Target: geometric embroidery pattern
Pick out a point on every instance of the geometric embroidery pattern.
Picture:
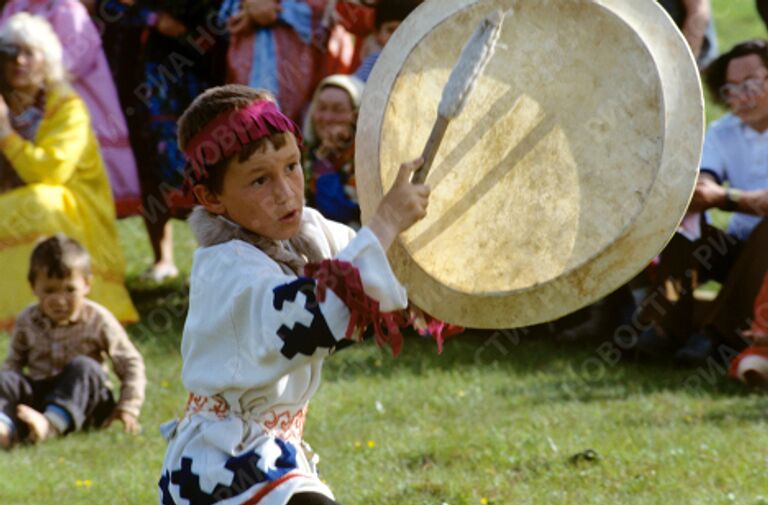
(302, 338)
(246, 475)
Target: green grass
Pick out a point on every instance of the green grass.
(495, 419)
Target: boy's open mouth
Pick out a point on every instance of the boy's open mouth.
(290, 216)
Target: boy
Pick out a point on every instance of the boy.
(388, 16)
(260, 324)
(62, 341)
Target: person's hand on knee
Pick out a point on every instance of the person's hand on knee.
(130, 422)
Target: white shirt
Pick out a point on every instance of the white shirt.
(253, 367)
(736, 153)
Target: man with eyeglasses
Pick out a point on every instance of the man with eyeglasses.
(734, 178)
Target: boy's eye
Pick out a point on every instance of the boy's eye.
(71, 289)
(292, 167)
(259, 181)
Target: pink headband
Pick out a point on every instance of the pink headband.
(231, 131)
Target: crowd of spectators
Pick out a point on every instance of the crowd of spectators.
(92, 91)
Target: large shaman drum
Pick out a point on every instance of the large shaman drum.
(567, 171)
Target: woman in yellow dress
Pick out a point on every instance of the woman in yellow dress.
(52, 177)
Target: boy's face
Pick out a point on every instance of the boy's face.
(264, 194)
(385, 31)
(61, 299)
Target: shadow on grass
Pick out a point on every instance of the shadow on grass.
(582, 372)
(753, 411)
(538, 368)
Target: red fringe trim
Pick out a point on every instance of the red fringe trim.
(439, 330)
(343, 279)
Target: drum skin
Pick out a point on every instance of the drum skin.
(568, 170)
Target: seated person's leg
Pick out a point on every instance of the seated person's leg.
(732, 310)
(79, 397)
(683, 266)
(669, 304)
(14, 389)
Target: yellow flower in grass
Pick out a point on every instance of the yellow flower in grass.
(86, 483)
(371, 444)
(484, 501)
(358, 444)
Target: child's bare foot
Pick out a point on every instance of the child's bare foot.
(40, 427)
(5, 436)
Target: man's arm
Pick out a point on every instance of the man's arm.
(710, 194)
(753, 202)
(697, 15)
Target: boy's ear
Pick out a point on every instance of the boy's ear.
(208, 199)
(88, 283)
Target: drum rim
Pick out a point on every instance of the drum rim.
(675, 174)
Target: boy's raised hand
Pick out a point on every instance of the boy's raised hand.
(403, 205)
(130, 422)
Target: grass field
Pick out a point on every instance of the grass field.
(497, 419)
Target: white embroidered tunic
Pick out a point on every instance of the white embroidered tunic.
(253, 348)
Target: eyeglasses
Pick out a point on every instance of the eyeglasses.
(8, 50)
(751, 88)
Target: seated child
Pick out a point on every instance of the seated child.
(751, 365)
(387, 17)
(61, 341)
(267, 304)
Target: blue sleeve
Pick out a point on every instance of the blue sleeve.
(712, 157)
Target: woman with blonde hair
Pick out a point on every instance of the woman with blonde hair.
(86, 65)
(52, 176)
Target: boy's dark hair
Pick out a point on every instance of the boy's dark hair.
(59, 256)
(715, 73)
(207, 107)
(393, 10)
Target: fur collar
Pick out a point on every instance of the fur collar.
(210, 229)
